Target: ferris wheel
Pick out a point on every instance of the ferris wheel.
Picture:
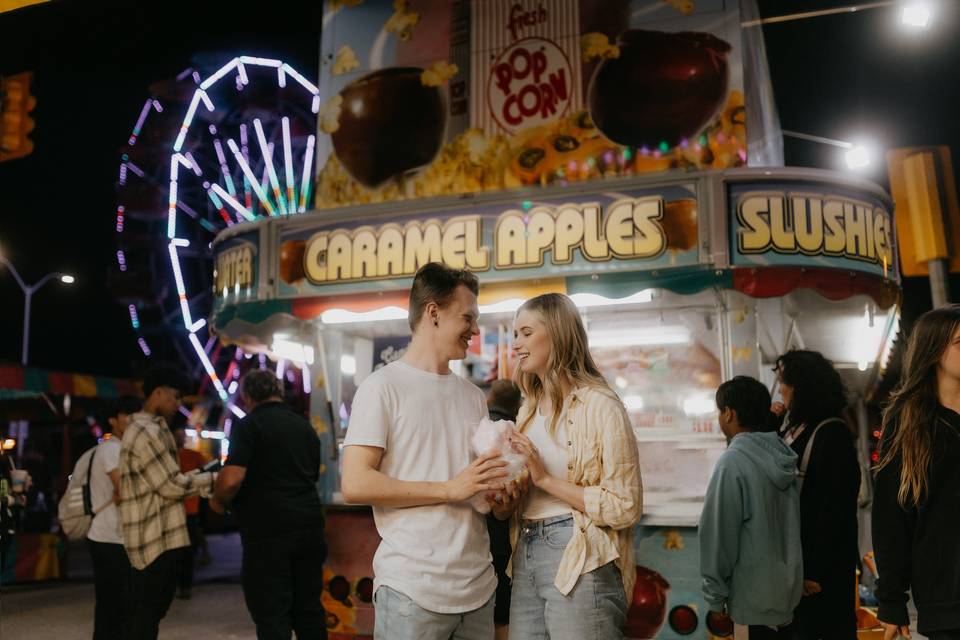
(205, 154)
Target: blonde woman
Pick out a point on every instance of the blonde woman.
(573, 560)
(915, 515)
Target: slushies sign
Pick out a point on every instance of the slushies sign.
(627, 229)
(781, 224)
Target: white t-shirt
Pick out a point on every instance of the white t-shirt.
(106, 524)
(553, 454)
(438, 556)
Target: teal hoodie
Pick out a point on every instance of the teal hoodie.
(750, 557)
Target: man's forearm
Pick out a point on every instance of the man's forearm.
(369, 486)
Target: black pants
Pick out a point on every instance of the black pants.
(282, 581)
(185, 580)
(151, 592)
(828, 615)
(111, 581)
(944, 635)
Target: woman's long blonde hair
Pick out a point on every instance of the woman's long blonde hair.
(910, 419)
(569, 362)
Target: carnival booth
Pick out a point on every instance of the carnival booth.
(619, 152)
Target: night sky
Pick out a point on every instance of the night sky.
(841, 76)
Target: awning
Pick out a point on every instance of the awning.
(17, 381)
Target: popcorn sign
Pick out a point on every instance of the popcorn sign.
(530, 84)
(526, 64)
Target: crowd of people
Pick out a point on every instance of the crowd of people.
(778, 533)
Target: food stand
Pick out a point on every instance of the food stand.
(688, 266)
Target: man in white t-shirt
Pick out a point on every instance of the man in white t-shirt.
(111, 568)
(407, 453)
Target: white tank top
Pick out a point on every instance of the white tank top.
(553, 453)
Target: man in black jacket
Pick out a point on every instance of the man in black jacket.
(271, 478)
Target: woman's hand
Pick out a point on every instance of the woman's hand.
(811, 588)
(778, 409)
(523, 445)
(891, 631)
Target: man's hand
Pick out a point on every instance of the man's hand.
(486, 473)
(811, 588)
(891, 631)
(503, 503)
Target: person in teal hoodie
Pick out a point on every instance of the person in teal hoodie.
(750, 555)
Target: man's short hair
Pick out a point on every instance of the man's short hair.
(127, 405)
(749, 398)
(260, 385)
(505, 395)
(165, 375)
(437, 283)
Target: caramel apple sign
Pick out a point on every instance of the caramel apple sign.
(629, 229)
(814, 225)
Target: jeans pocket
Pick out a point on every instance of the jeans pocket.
(558, 536)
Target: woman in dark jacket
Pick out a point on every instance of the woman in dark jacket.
(814, 396)
(916, 506)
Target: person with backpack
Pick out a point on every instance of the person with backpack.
(152, 489)
(814, 397)
(750, 555)
(111, 568)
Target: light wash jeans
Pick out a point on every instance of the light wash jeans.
(400, 618)
(596, 609)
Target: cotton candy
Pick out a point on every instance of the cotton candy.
(490, 437)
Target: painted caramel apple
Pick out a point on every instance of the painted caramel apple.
(648, 608)
(390, 124)
(679, 224)
(663, 87)
(291, 260)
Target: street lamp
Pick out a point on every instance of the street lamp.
(916, 14)
(856, 156)
(28, 291)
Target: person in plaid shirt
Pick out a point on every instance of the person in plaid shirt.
(152, 490)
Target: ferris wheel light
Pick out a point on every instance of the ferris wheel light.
(239, 208)
(261, 62)
(223, 167)
(67, 279)
(252, 179)
(307, 165)
(288, 165)
(242, 74)
(222, 71)
(309, 86)
(281, 77)
(268, 162)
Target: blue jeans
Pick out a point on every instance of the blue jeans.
(400, 618)
(596, 609)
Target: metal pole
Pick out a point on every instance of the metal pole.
(939, 282)
(28, 296)
(816, 14)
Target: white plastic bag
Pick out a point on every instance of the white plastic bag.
(491, 436)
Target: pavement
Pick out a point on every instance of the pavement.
(64, 610)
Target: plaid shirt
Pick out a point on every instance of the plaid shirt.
(152, 489)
